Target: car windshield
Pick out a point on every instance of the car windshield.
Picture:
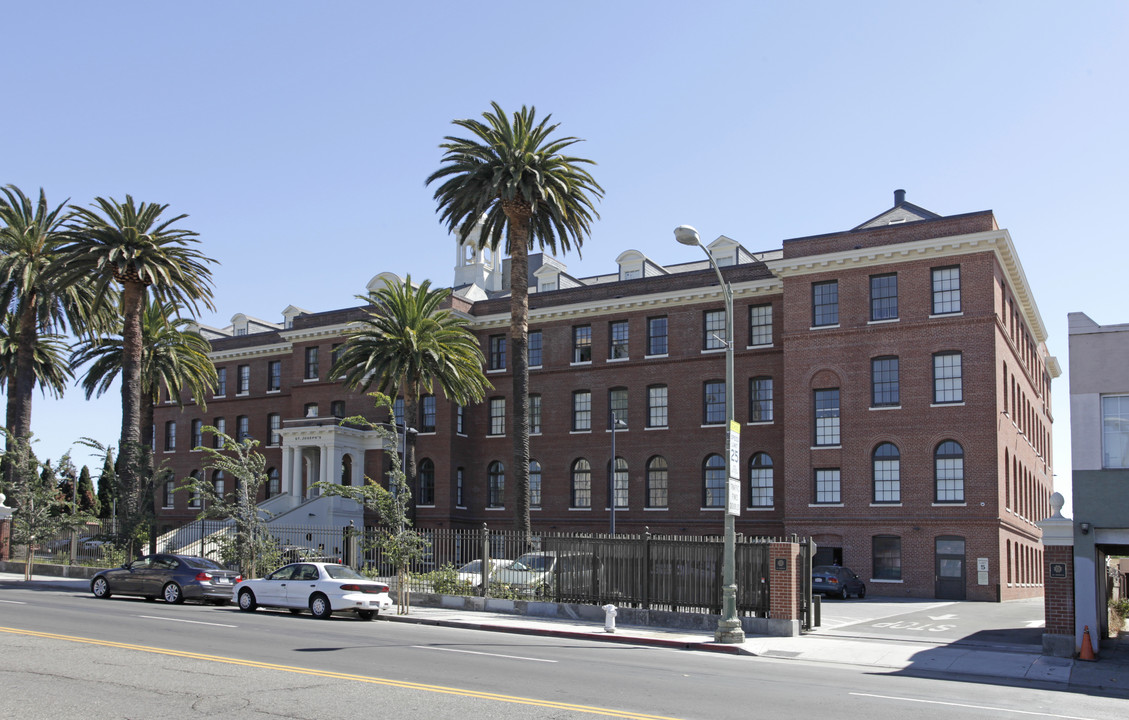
(535, 562)
(343, 572)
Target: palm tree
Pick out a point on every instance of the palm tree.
(407, 343)
(49, 361)
(133, 247)
(174, 356)
(37, 296)
(512, 176)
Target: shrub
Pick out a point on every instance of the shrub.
(1118, 612)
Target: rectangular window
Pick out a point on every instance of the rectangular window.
(221, 429)
(337, 408)
(534, 414)
(274, 424)
(582, 410)
(884, 297)
(948, 383)
(656, 406)
(170, 493)
(946, 290)
(197, 433)
(460, 420)
(427, 414)
(274, 376)
(310, 410)
(827, 417)
(497, 352)
(657, 482)
(1115, 431)
(713, 329)
(886, 557)
(242, 428)
(582, 344)
(311, 363)
(534, 484)
(760, 325)
(243, 380)
(221, 382)
(335, 351)
(713, 397)
(398, 411)
(760, 399)
(617, 340)
(497, 416)
(617, 406)
(884, 382)
(170, 436)
(656, 336)
(825, 303)
(460, 497)
(827, 485)
(534, 348)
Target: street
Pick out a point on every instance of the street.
(68, 655)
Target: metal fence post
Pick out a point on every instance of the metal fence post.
(646, 538)
(485, 560)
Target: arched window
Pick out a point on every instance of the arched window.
(274, 482)
(620, 482)
(346, 469)
(657, 482)
(760, 480)
(887, 473)
(534, 483)
(581, 486)
(713, 482)
(426, 474)
(218, 483)
(948, 464)
(170, 492)
(194, 500)
(495, 484)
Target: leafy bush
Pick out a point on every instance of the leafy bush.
(445, 581)
(1119, 612)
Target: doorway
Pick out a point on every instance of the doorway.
(949, 568)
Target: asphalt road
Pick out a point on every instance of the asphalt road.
(64, 654)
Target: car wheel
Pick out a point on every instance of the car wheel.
(844, 595)
(862, 592)
(366, 614)
(100, 587)
(247, 601)
(320, 607)
(172, 594)
(295, 611)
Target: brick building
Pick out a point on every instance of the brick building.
(892, 384)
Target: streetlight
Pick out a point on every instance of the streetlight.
(729, 626)
(616, 423)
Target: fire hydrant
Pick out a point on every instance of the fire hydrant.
(609, 618)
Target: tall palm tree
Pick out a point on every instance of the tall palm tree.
(174, 356)
(132, 247)
(36, 294)
(406, 342)
(514, 177)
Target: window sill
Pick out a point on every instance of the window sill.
(219, 397)
(426, 507)
(760, 422)
(425, 432)
(169, 451)
(888, 582)
(825, 505)
(587, 509)
(761, 509)
(309, 380)
(580, 432)
(824, 327)
(495, 371)
(712, 425)
(948, 404)
(460, 507)
(618, 430)
(274, 392)
(245, 393)
(618, 359)
(897, 504)
(764, 346)
(495, 509)
(712, 351)
(826, 447)
(655, 509)
(658, 427)
(885, 407)
(535, 367)
(579, 363)
(946, 315)
(882, 322)
(461, 434)
(654, 357)
(712, 509)
(950, 504)
(500, 435)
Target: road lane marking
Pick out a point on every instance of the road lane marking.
(13, 602)
(971, 707)
(402, 684)
(476, 652)
(181, 620)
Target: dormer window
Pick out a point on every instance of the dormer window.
(547, 286)
(240, 331)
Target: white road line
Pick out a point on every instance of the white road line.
(972, 707)
(13, 602)
(191, 622)
(475, 652)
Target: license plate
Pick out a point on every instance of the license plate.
(223, 581)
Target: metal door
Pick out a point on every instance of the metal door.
(949, 568)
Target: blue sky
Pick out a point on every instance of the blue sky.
(297, 136)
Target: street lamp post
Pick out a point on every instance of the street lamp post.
(729, 626)
(616, 423)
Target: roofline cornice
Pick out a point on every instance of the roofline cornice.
(253, 351)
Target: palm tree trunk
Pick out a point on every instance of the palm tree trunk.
(518, 231)
(133, 302)
(411, 421)
(21, 387)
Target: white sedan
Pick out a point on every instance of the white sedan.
(322, 588)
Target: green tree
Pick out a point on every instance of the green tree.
(87, 499)
(40, 513)
(406, 342)
(250, 546)
(513, 177)
(107, 485)
(135, 482)
(39, 298)
(132, 249)
(174, 357)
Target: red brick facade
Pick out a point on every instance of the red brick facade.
(1001, 423)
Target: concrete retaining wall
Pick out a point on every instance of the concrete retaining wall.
(67, 571)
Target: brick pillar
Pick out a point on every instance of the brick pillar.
(1058, 582)
(5, 539)
(784, 581)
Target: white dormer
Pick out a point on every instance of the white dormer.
(548, 277)
(382, 280)
(631, 264)
(239, 323)
(291, 312)
(724, 251)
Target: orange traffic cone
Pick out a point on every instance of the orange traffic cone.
(1087, 651)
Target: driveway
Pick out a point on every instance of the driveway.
(1018, 623)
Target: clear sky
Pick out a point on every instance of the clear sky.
(297, 135)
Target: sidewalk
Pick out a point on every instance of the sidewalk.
(1110, 672)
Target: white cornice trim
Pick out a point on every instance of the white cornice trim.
(253, 351)
(317, 331)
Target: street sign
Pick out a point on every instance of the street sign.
(735, 450)
(733, 506)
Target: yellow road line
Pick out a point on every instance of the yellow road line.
(345, 676)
